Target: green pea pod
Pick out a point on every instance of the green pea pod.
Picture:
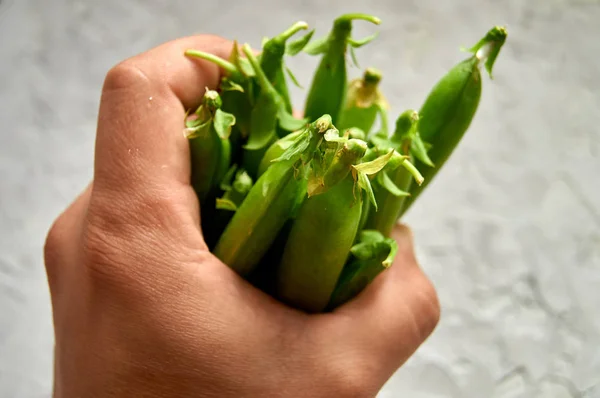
(451, 105)
(270, 202)
(321, 237)
(268, 113)
(329, 84)
(272, 55)
(392, 184)
(372, 254)
(236, 89)
(364, 100)
(208, 136)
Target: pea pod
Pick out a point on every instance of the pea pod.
(372, 254)
(236, 90)
(364, 100)
(392, 185)
(321, 237)
(451, 105)
(268, 113)
(272, 55)
(329, 84)
(208, 135)
(270, 202)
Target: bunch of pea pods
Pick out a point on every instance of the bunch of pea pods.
(303, 207)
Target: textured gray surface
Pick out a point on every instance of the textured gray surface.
(509, 233)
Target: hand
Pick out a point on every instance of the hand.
(142, 309)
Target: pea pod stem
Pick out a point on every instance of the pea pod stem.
(223, 64)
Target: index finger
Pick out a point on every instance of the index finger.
(140, 144)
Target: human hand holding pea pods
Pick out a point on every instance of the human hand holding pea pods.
(141, 307)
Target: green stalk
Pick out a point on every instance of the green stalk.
(329, 85)
(452, 104)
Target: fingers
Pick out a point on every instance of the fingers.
(392, 317)
(140, 144)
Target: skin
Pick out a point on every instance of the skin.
(142, 309)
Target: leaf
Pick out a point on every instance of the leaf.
(355, 132)
(393, 245)
(198, 131)
(288, 122)
(294, 47)
(365, 183)
(318, 46)
(227, 178)
(489, 46)
(263, 41)
(361, 42)
(354, 57)
(374, 166)
(417, 148)
(370, 235)
(333, 135)
(414, 171)
(242, 182)
(293, 78)
(365, 250)
(245, 66)
(228, 85)
(223, 123)
(242, 64)
(258, 142)
(225, 204)
(384, 129)
(297, 148)
(386, 183)
(380, 142)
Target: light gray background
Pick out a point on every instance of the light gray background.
(508, 233)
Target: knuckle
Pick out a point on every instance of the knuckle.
(125, 75)
(429, 309)
(53, 242)
(351, 382)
